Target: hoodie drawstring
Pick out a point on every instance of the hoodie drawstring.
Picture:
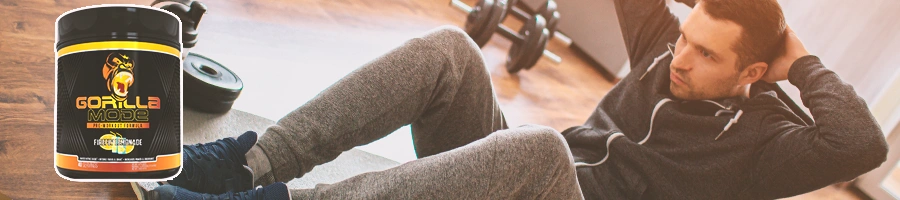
(608, 141)
(659, 105)
(653, 65)
(724, 109)
(733, 121)
(619, 134)
(652, 117)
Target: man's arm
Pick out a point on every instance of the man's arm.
(647, 25)
(844, 142)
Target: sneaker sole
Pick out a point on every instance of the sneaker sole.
(144, 190)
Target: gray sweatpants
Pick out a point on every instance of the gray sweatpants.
(439, 84)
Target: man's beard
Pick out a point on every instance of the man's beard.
(689, 90)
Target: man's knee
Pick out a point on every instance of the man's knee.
(453, 45)
(455, 40)
(542, 143)
(455, 35)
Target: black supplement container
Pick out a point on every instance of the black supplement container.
(118, 94)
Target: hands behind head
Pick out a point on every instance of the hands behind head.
(779, 68)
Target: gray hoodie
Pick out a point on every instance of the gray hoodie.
(642, 143)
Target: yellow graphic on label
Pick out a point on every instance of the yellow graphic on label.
(116, 143)
(120, 65)
(118, 111)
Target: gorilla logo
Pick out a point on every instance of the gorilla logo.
(118, 74)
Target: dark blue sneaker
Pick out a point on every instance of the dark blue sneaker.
(217, 167)
(276, 191)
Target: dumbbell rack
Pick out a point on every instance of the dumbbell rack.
(509, 33)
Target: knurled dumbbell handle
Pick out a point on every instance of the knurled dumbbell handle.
(510, 34)
(506, 31)
(519, 13)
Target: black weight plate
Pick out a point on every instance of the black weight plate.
(516, 50)
(549, 12)
(208, 85)
(497, 12)
(518, 56)
(478, 18)
(538, 52)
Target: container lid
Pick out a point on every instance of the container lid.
(118, 22)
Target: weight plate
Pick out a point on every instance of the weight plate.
(519, 53)
(549, 12)
(208, 85)
(478, 18)
(536, 53)
(498, 11)
(516, 50)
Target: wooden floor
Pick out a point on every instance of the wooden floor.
(297, 39)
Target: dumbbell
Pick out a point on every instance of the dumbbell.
(528, 43)
(189, 13)
(547, 10)
(208, 85)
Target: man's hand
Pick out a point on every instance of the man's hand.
(794, 49)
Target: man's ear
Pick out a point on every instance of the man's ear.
(753, 73)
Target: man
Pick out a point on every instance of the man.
(440, 85)
(698, 119)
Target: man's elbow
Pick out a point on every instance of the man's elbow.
(879, 150)
(860, 157)
(871, 153)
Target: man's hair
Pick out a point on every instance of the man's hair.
(763, 26)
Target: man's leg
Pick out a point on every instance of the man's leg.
(528, 162)
(438, 83)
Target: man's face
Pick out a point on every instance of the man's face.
(704, 66)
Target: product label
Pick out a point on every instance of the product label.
(118, 107)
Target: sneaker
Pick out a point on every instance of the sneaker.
(217, 167)
(275, 191)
